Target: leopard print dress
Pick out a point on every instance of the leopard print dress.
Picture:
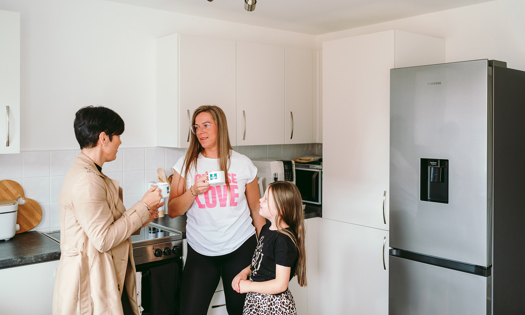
(269, 304)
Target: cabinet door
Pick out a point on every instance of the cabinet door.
(9, 82)
(207, 77)
(28, 289)
(193, 71)
(260, 94)
(354, 269)
(356, 123)
(299, 86)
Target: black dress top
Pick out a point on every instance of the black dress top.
(273, 248)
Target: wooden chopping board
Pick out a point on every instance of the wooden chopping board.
(29, 214)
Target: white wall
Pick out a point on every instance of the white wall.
(81, 52)
(491, 30)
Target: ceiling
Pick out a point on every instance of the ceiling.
(306, 16)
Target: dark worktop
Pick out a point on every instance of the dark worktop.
(28, 248)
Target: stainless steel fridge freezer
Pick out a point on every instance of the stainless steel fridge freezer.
(456, 181)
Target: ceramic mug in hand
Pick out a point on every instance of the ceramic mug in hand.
(216, 178)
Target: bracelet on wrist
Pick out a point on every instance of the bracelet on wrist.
(191, 191)
(146, 205)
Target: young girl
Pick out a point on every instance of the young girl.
(279, 254)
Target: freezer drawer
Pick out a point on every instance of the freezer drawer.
(418, 288)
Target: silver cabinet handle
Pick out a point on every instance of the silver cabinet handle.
(189, 128)
(7, 111)
(291, 115)
(384, 245)
(220, 305)
(244, 134)
(384, 201)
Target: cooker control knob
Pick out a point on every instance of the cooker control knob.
(175, 251)
(157, 252)
(167, 251)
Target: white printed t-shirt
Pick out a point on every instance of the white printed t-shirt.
(217, 224)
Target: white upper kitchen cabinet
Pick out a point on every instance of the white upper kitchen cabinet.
(193, 71)
(260, 94)
(9, 82)
(353, 269)
(299, 93)
(356, 120)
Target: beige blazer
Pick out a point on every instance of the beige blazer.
(96, 260)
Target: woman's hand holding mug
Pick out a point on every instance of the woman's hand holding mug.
(201, 185)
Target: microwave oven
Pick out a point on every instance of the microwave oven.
(269, 171)
(309, 180)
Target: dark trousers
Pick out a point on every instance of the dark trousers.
(201, 276)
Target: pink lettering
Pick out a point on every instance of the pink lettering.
(233, 178)
(207, 195)
(223, 195)
(201, 206)
(234, 195)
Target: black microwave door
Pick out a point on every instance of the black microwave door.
(308, 183)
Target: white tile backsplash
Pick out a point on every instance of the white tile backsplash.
(35, 164)
(61, 161)
(55, 185)
(37, 189)
(134, 159)
(155, 158)
(259, 152)
(172, 156)
(54, 218)
(46, 214)
(152, 176)
(10, 166)
(113, 166)
(275, 152)
(134, 183)
(130, 200)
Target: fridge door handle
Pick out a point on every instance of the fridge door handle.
(384, 201)
(384, 246)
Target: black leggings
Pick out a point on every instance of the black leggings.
(201, 276)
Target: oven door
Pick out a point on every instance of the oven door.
(309, 183)
(160, 287)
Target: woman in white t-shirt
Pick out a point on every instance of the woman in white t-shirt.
(221, 220)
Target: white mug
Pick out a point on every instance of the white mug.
(216, 178)
(164, 189)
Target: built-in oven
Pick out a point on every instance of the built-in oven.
(158, 260)
(309, 180)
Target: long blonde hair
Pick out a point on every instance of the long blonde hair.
(289, 205)
(223, 142)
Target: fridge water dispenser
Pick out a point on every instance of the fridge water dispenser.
(434, 180)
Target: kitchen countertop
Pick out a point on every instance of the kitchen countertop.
(28, 248)
(34, 247)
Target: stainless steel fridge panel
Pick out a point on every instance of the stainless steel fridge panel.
(416, 288)
(441, 111)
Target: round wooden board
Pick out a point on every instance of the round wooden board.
(29, 214)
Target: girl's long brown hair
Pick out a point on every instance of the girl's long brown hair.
(289, 204)
(223, 142)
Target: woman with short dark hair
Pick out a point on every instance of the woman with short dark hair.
(96, 273)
